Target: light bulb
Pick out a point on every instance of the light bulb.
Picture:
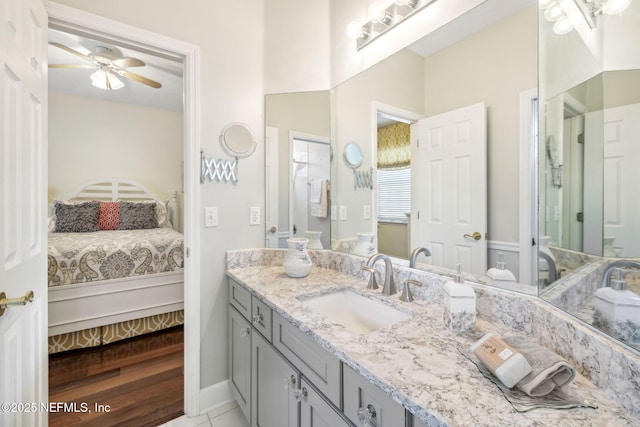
(410, 3)
(562, 25)
(615, 7)
(553, 12)
(542, 4)
(354, 30)
(377, 12)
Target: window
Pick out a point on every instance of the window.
(394, 194)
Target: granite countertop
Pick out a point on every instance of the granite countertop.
(417, 361)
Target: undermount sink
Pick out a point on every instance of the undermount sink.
(355, 312)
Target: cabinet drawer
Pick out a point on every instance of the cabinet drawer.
(315, 363)
(261, 317)
(360, 393)
(240, 298)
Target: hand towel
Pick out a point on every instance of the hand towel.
(549, 370)
(319, 198)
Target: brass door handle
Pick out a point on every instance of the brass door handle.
(9, 302)
(273, 230)
(474, 236)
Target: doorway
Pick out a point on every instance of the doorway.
(77, 22)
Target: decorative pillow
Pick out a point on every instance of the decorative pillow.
(76, 218)
(137, 216)
(109, 218)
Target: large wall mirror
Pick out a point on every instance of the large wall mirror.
(588, 155)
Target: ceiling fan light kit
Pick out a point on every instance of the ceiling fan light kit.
(109, 63)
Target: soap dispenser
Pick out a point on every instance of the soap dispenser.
(617, 309)
(500, 272)
(459, 303)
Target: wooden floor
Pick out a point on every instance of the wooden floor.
(136, 382)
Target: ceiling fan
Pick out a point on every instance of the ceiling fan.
(109, 62)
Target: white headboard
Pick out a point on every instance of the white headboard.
(106, 189)
(111, 189)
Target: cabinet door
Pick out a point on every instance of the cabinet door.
(240, 360)
(317, 412)
(274, 383)
(366, 404)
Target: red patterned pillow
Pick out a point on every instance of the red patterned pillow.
(109, 218)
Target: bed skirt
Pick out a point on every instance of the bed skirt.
(101, 335)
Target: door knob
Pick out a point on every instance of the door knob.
(9, 302)
(474, 236)
(273, 230)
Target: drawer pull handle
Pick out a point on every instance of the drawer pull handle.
(245, 332)
(259, 318)
(289, 381)
(365, 415)
(300, 394)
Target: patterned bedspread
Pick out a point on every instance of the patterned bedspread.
(102, 255)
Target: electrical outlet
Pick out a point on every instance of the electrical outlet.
(210, 217)
(366, 212)
(254, 215)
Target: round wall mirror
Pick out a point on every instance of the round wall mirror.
(353, 155)
(237, 140)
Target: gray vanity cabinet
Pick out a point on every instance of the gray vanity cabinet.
(274, 384)
(240, 360)
(317, 412)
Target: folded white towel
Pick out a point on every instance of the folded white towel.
(319, 199)
(549, 370)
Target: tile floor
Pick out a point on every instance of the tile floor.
(229, 416)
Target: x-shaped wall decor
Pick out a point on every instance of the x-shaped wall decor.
(220, 170)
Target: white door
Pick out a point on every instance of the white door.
(23, 239)
(271, 173)
(452, 216)
(621, 178)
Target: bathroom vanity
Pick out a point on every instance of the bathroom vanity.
(293, 362)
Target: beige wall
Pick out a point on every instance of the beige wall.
(90, 138)
(494, 66)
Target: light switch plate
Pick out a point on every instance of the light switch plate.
(366, 212)
(334, 213)
(343, 213)
(210, 217)
(254, 215)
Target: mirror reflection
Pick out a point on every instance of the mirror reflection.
(298, 157)
(588, 177)
(491, 67)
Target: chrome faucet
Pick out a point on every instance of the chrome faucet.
(606, 277)
(389, 287)
(414, 255)
(552, 276)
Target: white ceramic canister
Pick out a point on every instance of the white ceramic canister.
(365, 244)
(297, 262)
(314, 239)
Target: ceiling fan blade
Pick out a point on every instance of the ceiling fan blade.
(71, 51)
(140, 79)
(128, 62)
(71, 66)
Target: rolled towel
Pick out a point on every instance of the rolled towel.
(549, 370)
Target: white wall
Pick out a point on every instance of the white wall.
(90, 138)
(296, 46)
(231, 40)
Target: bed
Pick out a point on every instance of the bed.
(110, 284)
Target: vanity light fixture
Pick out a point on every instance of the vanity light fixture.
(608, 7)
(104, 79)
(382, 19)
(553, 12)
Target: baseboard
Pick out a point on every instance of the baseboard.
(216, 398)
